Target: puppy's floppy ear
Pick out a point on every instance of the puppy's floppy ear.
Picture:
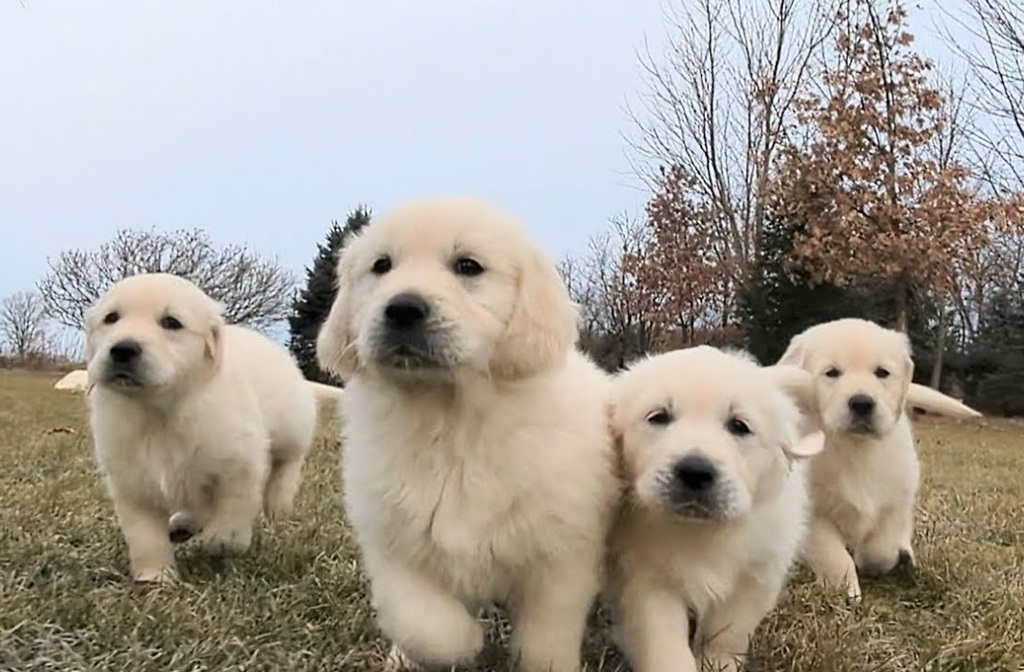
(90, 320)
(335, 341)
(805, 446)
(796, 353)
(544, 323)
(796, 382)
(616, 431)
(214, 333)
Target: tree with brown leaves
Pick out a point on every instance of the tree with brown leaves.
(680, 268)
(715, 107)
(876, 202)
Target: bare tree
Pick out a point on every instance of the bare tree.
(997, 66)
(717, 106)
(618, 320)
(254, 290)
(23, 324)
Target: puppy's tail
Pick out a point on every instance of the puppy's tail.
(326, 391)
(933, 401)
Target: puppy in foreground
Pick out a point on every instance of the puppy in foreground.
(716, 504)
(197, 425)
(477, 464)
(864, 484)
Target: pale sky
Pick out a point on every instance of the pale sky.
(261, 120)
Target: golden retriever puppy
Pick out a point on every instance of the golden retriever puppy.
(477, 464)
(197, 425)
(716, 503)
(864, 484)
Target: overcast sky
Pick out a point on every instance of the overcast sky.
(260, 121)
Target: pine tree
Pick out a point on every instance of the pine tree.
(995, 366)
(781, 299)
(314, 301)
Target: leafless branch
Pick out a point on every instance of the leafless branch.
(718, 103)
(23, 323)
(253, 290)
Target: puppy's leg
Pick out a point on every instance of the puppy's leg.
(549, 615)
(825, 552)
(427, 624)
(150, 553)
(237, 502)
(282, 487)
(728, 628)
(654, 629)
(889, 543)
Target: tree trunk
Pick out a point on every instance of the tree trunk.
(940, 351)
(902, 319)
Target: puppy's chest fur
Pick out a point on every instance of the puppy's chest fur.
(853, 482)
(172, 464)
(703, 564)
(467, 499)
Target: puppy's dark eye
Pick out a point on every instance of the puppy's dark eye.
(381, 266)
(881, 373)
(467, 266)
(111, 317)
(170, 322)
(833, 373)
(737, 427)
(659, 416)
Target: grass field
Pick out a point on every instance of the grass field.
(297, 602)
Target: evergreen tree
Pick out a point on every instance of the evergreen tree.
(995, 360)
(314, 301)
(781, 300)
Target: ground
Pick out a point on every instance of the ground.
(298, 601)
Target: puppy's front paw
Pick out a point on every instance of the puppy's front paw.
(155, 575)
(278, 509)
(399, 661)
(221, 540)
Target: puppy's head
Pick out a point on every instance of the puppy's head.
(152, 332)
(438, 287)
(705, 434)
(861, 374)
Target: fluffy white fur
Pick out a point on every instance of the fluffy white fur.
(864, 483)
(197, 425)
(477, 464)
(717, 550)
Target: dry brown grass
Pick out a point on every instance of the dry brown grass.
(298, 601)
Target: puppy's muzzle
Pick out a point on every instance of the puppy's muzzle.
(694, 488)
(406, 338)
(862, 412)
(123, 362)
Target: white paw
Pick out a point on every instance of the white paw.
(399, 661)
(226, 540)
(155, 575)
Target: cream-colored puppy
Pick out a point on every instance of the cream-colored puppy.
(477, 464)
(716, 503)
(196, 424)
(864, 484)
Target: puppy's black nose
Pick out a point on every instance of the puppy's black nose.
(695, 472)
(861, 405)
(406, 311)
(126, 351)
